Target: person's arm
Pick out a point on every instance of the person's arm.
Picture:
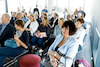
(81, 36)
(71, 53)
(20, 42)
(34, 27)
(53, 60)
(48, 31)
(55, 31)
(10, 34)
(28, 29)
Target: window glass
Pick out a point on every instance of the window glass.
(2, 7)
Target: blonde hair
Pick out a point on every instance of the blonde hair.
(62, 19)
(33, 17)
(47, 22)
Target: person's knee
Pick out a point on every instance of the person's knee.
(40, 42)
(33, 40)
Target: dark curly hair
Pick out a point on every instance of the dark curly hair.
(71, 25)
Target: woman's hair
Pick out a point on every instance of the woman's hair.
(33, 17)
(80, 20)
(47, 22)
(71, 25)
(56, 14)
(62, 19)
(20, 23)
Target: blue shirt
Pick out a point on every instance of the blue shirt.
(69, 49)
(46, 11)
(25, 19)
(57, 31)
(85, 25)
(3, 27)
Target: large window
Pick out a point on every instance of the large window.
(2, 7)
(75, 4)
(28, 4)
(13, 5)
(41, 4)
(61, 5)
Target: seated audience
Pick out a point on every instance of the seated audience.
(36, 10)
(65, 47)
(45, 10)
(23, 9)
(81, 12)
(23, 40)
(13, 18)
(42, 33)
(57, 29)
(68, 17)
(53, 12)
(80, 33)
(18, 10)
(31, 26)
(75, 13)
(19, 16)
(25, 18)
(54, 21)
(65, 14)
(6, 29)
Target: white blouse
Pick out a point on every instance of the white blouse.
(79, 35)
(34, 26)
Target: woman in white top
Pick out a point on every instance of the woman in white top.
(80, 33)
(32, 25)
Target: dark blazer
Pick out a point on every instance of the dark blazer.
(6, 34)
(51, 21)
(12, 21)
(36, 9)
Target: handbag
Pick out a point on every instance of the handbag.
(10, 43)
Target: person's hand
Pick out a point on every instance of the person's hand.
(50, 52)
(16, 37)
(51, 26)
(54, 62)
(35, 34)
(26, 28)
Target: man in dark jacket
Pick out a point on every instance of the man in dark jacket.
(6, 29)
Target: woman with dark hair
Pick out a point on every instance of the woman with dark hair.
(64, 48)
(21, 38)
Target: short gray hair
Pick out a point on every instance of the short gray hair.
(7, 16)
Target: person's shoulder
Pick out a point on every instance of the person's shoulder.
(73, 39)
(11, 27)
(25, 32)
(57, 26)
(59, 36)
